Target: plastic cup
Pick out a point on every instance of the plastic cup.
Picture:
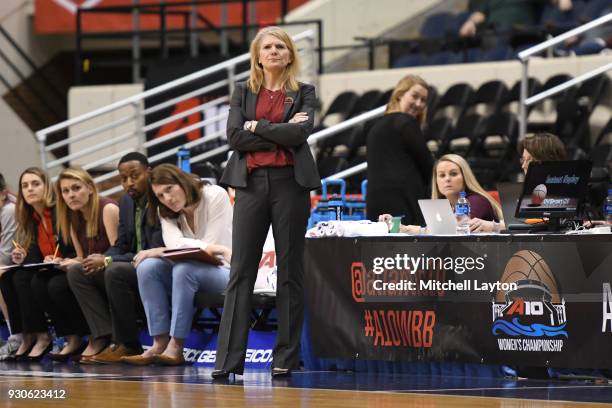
(395, 224)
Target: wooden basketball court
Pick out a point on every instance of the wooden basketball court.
(34, 385)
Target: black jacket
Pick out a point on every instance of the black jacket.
(35, 256)
(268, 136)
(125, 246)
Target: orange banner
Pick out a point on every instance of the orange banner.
(59, 16)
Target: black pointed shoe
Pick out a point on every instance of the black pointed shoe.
(220, 374)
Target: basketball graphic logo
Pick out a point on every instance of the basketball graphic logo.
(529, 266)
(538, 195)
(535, 309)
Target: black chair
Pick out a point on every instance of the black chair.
(499, 136)
(572, 124)
(384, 97)
(606, 132)
(466, 132)
(456, 97)
(366, 102)
(331, 165)
(261, 307)
(432, 102)
(438, 132)
(591, 92)
(558, 80)
(514, 94)
(341, 105)
(491, 94)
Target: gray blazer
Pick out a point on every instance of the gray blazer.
(267, 136)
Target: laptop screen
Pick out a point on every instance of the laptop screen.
(439, 216)
(554, 189)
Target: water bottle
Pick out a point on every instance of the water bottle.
(462, 212)
(608, 207)
(337, 208)
(183, 155)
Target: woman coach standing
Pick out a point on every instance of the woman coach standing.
(272, 170)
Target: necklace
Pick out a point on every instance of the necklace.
(272, 94)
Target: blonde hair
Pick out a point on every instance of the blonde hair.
(24, 212)
(403, 86)
(67, 218)
(469, 181)
(289, 78)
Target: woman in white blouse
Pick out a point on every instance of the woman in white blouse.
(192, 214)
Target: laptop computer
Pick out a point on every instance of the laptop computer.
(509, 194)
(439, 216)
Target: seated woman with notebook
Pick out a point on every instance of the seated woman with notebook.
(37, 290)
(193, 215)
(451, 175)
(91, 223)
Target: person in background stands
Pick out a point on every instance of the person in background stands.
(399, 162)
(108, 293)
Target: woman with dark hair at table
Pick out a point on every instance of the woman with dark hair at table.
(399, 162)
(540, 147)
(272, 170)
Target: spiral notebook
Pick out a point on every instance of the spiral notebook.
(194, 254)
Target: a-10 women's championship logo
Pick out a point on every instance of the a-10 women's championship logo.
(532, 317)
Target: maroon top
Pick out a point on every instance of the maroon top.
(98, 244)
(270, 106)
(481, 208)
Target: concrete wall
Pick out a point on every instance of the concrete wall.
(18, 146)
(83, 99)
(18, 149)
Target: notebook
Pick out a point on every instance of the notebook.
(195, 254)
(439, 216)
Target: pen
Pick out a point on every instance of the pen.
(55, 254)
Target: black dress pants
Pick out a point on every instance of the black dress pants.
(50, 288)
(31, 312)
(110, 301)
(272, 196)
(11, 298)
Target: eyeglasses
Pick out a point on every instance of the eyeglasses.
(527, 161)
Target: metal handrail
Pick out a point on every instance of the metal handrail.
(536, 49)
(525, 55)
(312, 140)
(223, 66)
